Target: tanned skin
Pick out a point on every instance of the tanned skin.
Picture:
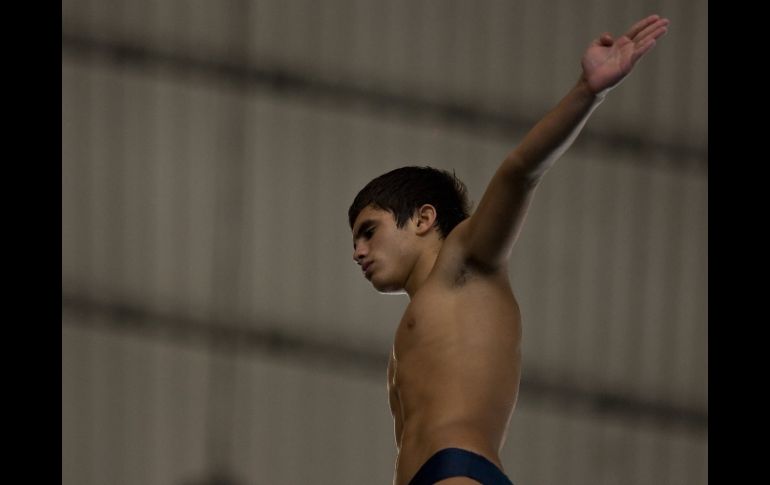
(453, 374)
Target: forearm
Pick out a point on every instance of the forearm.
(553, 134)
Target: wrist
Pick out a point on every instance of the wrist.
(583, 89)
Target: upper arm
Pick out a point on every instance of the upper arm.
(492, 229)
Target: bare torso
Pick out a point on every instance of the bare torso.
(453, 375)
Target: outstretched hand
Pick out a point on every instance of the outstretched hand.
(608, 61)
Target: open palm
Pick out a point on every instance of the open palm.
(606, 61)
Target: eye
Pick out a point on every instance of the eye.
(369, 233)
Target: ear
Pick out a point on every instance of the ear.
(424, 219)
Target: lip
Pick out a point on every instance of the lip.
(365, 268)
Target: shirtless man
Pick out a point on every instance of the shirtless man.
(453, 374)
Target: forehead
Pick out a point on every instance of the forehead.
(369, 213)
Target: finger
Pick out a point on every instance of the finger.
(653, 30)
(651, 36)
(642, 49)
(639, 26)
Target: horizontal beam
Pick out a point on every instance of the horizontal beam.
(240, 75)
(234, 337)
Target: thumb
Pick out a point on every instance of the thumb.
(606, 39)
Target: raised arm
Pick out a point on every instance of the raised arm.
(493, 228)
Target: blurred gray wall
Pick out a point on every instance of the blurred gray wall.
(214, 326)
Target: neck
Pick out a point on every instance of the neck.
(421, 270)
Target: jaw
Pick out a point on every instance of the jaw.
(385, 285)
(386, 288)
(389, 289)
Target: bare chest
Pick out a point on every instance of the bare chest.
(454, 371)
(468, 318)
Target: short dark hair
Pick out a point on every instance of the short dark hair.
(402, 191)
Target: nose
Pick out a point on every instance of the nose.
(359, 253)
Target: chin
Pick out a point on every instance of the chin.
(388, 288)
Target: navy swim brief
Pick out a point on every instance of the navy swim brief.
(456, 462)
